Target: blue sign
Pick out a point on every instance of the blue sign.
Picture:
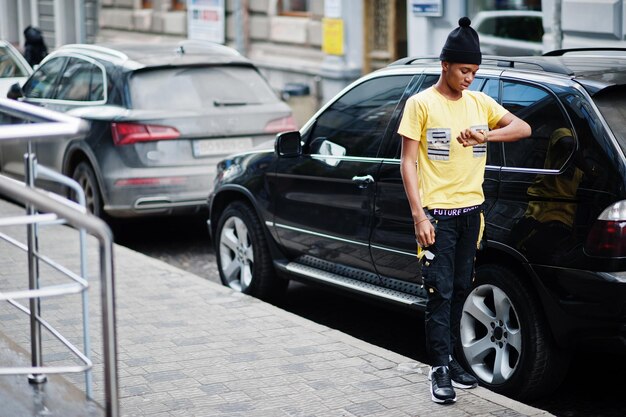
(427, 8)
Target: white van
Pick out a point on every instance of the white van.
(510, 32)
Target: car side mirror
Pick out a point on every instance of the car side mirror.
(15, 92)
(288, 144)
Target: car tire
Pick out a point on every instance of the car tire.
(243, 256)
(84, 175)
(504, 339)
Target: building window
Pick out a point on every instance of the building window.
(294, 8)
(475, 6)
(174, 4)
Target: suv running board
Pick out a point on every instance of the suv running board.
(313, 274)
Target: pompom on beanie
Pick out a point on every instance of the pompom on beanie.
(462, 45)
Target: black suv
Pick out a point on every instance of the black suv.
(327, 205)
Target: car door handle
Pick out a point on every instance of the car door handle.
(363, 181)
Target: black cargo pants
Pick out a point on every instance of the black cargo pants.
(448, 280)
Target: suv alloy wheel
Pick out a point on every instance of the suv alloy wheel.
(504, 339)
(243, 257)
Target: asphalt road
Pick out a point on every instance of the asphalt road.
(594, 387)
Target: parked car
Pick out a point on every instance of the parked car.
(161, 116)
(510, 32)
(327, 205)
(13, 67)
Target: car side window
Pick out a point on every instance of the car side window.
(551, 142)
(355, 124)
(81, 81)
(96, 88)
(43, 81)
(492, 89)
(9, 66)
(477, 84)
(428, 81)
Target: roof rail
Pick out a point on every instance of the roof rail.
(561, 52)
(514, 62)
(95, 48)
(190, 45)
(411, 60)
(506, 62)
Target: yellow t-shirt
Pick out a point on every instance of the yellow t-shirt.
(451, 176)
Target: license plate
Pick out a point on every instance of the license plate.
(208, 147)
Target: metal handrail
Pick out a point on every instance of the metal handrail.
(49, 369)
(46, 124)
(41, 171)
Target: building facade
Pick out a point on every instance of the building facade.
(287, 38)
(567, 23)
(61, 21)
(584, 23)
(311, 49)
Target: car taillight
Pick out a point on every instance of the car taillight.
(608, 234)
(129, 182)
(284, 124)
(129, 133)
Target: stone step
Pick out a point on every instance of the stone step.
(55, 397)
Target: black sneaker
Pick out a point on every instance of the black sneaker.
(461, 378)
(441, 390)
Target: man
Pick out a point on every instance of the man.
(445, 128)
(35, 48)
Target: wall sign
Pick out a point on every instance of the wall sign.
(332, 36)
(432, 8)
(206, 21)
(332, 9)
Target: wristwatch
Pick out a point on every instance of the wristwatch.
(485, 135)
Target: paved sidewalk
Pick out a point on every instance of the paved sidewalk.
(190, 347)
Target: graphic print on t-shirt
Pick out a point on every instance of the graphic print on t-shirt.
(438, 144)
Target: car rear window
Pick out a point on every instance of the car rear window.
(612, 105)
(199, 87)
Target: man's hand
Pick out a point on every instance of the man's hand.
(469, 137)
(424, 232)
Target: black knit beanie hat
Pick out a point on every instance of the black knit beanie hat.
(462, 45)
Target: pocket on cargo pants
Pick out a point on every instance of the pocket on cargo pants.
(437, 274)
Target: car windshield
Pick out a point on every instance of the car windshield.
(612, 105)
(9, 67)
(199, 88)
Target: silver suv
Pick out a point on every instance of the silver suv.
(160, 117)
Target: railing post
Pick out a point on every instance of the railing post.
(41, 171)
(107, 293)
(33, 274)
